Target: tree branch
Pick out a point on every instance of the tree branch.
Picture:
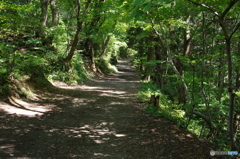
(234, 30)
(205, 118)
(161, 43)
(206, 6)
(231, 4)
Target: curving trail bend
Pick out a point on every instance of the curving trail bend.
(99, 120)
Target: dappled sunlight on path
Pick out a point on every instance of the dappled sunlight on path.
(23, 108)
(101, 119)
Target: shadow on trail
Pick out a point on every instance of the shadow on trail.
(98, 120)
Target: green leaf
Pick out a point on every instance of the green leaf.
(147, 7)
(238, 94)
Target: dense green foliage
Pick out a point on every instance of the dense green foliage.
(37, 37)
(186, 51)
(190, 51)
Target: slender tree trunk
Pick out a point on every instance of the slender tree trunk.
(230, 81)
(236, 125)
(79, 28)
(55, 13)
(48, 39)
(238, 81)
(170, 60)
(92, 55)
(187, 39)
(231, 96)
(104, 48)
(181, 88)
(150, 56)
(238, 71)
(76, 36)
(221, 75)
(158, 69)
(44, 16)
(44, 13)
(73, 45)
(230, 77)
(154, 100)
(228, 37)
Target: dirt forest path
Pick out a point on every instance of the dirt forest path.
(99, 120)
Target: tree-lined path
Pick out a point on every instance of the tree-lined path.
(186, 53)
(102, 119)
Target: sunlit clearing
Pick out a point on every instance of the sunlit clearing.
(114, 92)
(98, 141)
(116, 103)
(120, 135)
(101, 154)
(7, 148)
(13, 110)
(22, 108)
(72, 87)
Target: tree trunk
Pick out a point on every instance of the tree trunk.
(206, 119)
(73, 46)
(170, 60)
(187, 95)
(231, 96)
(230, 76)
(181, 88)
(238, 71)
(228, 37)
(44, 13)
(238, 81)
(76, 36)
(79, 28)
(44, 16)
(155, 100)
(158, 78)
(236, 125)
(221, 75)
(181, 94)
(92, 55)
(186, 49)
(54, 13)
(187, 39)
(104, 47)
(150, 53)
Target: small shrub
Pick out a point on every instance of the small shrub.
(148, 89)
(79, 71)
(69, 73)
(105, 66)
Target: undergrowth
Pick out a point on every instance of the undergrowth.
(175, 112)
(69, 73)
(167, 108)
(105, 66)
